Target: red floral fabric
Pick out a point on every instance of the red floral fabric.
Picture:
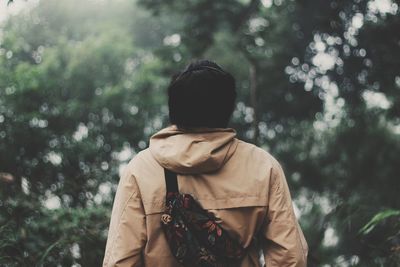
(195, 239)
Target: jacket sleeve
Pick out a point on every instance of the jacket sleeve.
(284, 244)
(127, 230)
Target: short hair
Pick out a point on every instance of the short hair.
(202, 95)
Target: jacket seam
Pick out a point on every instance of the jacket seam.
(281, 190)
(298, 236)
(119, 221)
(233, 143)
(230, 198)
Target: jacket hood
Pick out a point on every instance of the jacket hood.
(193, 150)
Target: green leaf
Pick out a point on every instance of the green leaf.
(379, 217)
(41, 261)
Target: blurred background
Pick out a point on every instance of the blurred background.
(83, 87)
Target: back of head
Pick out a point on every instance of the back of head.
(202, 95)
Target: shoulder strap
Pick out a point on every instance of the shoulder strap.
(171, 181)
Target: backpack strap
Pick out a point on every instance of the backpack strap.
(171, 181)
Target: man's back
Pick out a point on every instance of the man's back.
(243, 185)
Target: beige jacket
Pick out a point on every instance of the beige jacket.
(241, 184)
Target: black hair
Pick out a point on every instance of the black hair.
(202, 95)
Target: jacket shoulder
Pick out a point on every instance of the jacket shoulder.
(248, 149)
(149, 176)
(143, 164)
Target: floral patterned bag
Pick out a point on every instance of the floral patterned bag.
(194, 237)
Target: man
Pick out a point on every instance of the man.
(241, 184)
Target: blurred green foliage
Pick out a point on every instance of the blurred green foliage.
(82, 87)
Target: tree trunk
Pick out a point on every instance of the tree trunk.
(253, 100)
